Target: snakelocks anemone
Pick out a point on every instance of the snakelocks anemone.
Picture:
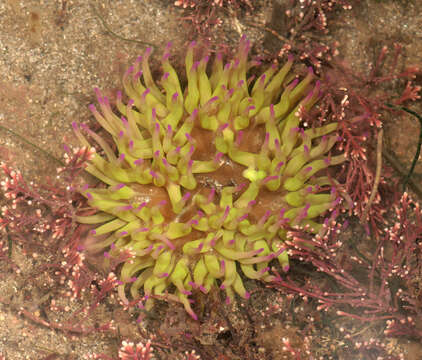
(202, 180)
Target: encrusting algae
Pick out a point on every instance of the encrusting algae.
(207, 176)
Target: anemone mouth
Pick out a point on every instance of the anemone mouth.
(206, 176)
